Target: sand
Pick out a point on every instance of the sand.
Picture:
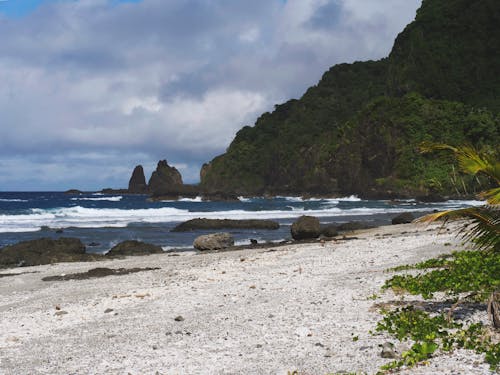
(255, 311)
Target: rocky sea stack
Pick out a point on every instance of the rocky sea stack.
(137, 183)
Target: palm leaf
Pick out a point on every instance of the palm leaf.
(482, 228)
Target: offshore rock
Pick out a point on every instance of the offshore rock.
(196, 224)
(44, 251)
(306, 228)
(165, 180)
(133, 247)
(216, 241)
(137, 183)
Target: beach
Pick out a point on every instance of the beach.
(300, 307)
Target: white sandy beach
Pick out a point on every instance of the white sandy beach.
(257, 311)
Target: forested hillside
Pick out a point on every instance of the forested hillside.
(358, 130)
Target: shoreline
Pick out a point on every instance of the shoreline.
(253, 311)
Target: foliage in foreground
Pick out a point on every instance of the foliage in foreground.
(467, 271)
(476, 272)
(431, 334)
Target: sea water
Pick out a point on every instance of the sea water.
(102, 221)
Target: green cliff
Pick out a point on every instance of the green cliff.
(358, 129)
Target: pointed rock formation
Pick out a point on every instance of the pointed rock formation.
(137, 183)
(165, 180)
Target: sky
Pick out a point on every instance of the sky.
(91, 88)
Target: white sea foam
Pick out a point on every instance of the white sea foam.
(110, 199)
(195, 200)
(352, 198)
(82, 217)
(13, 200)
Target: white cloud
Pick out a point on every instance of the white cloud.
(164, 79)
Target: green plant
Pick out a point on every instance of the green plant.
(431, 334)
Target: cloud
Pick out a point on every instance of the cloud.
(135, 82)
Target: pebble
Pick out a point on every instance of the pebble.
(179, 318)
(388, 351)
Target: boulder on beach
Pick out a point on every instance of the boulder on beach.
(137, 183)
(196, 224)
(133, 247)
(353, 225)
(404, 218)
(329, 230)
(44, 251)
(306, 228)
(216, 241)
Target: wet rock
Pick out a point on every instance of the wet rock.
(45, 251)
(97, 272)
(404, 218)
(137, 183)
(216, 241)
(353, 225)
(330, 230)
(133, 247)
(210, 224)
(306, 227)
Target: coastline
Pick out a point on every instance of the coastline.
(253, 311)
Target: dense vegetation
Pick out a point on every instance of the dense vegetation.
(357, 130)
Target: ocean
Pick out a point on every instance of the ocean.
(102, 221)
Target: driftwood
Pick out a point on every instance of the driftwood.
(494, 309)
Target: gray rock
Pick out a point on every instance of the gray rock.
(388, 351)
(210, 224)
(133, 247)
(44, 251)
(329, 230)
(404, 218)
(306, 227)
(216, 241)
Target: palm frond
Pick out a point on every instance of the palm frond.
(483, 227)
(492, 196)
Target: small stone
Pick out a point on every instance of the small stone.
(319, 344)
(179, 318)
(155, 347)
(388, 351)
(168, 333)
(60, 312)
(58, 307)
(258, 346)
(108, 311)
